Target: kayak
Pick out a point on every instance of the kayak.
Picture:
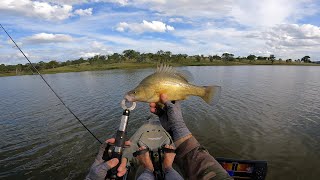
(244, 169)
(152, 135)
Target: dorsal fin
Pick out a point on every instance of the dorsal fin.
(163, 68)
(184, 74)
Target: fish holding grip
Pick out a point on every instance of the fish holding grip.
(115, 150)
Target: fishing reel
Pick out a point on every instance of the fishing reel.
(115, 150)
(107, 155)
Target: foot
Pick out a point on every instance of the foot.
(168, 158)
(145, 160)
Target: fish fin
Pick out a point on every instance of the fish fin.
(164, 68)
(186, 75)
(212, 94)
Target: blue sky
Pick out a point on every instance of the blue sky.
(70, 29)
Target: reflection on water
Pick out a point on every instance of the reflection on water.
(265, 112)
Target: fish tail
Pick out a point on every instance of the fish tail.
(211, 95)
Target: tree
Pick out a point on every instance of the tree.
(306, 59)
(262, 58)
(198, 58)
(115, 57)
(131, 54)
(227, 57)
(251, 57)
(217, 57)
(179, 58)
(19, 67)
(2, 67)
(142, 58)
(168, 53)
(52, 64)
(272, 58)
(211, 58)
(202, 57)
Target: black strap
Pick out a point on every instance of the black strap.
(168, 150)
(137, 153)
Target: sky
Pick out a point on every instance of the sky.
(69, 29)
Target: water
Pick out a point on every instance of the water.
(265, 112)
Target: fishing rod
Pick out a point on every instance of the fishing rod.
(49, 85)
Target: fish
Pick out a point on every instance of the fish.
(175, 84)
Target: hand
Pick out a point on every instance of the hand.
(100, 168)
(154, 107)
(171, 119)
(168, 114)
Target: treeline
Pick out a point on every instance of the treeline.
(137, 57)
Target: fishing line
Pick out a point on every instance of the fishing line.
(50, 86)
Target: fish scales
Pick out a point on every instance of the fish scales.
(167, 80)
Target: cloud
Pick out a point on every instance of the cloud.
(288, 36)
(186, 8)
(178, 20)
(48, 38)
(83, 12)
(69, 2)
(251, 13)
(88, 54)
(212, 40)
(145, 26)
(121, 2)
(270, 12)
(36, 9)
(196, 27)
(72, 2)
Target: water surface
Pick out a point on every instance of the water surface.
(265, 112)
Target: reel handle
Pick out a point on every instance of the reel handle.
(117, 153)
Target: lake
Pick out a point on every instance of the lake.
(265, 113)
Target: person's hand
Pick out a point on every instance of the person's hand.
(167, 114)
(99, 168)
(156, 109)
(168, 157)
(171, 119)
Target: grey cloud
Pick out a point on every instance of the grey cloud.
(293, 35)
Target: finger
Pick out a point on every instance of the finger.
(127, 143)
(111, 140)
(153, 110)
(112, 163)
(169, 146)
(163, 98)
(122, 168)
(152, 104)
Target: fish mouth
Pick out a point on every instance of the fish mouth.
(129, 98)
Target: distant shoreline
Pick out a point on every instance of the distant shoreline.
(134, 65)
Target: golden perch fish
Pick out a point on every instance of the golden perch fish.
(167, 80)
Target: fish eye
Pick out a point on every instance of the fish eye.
(134, 92)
